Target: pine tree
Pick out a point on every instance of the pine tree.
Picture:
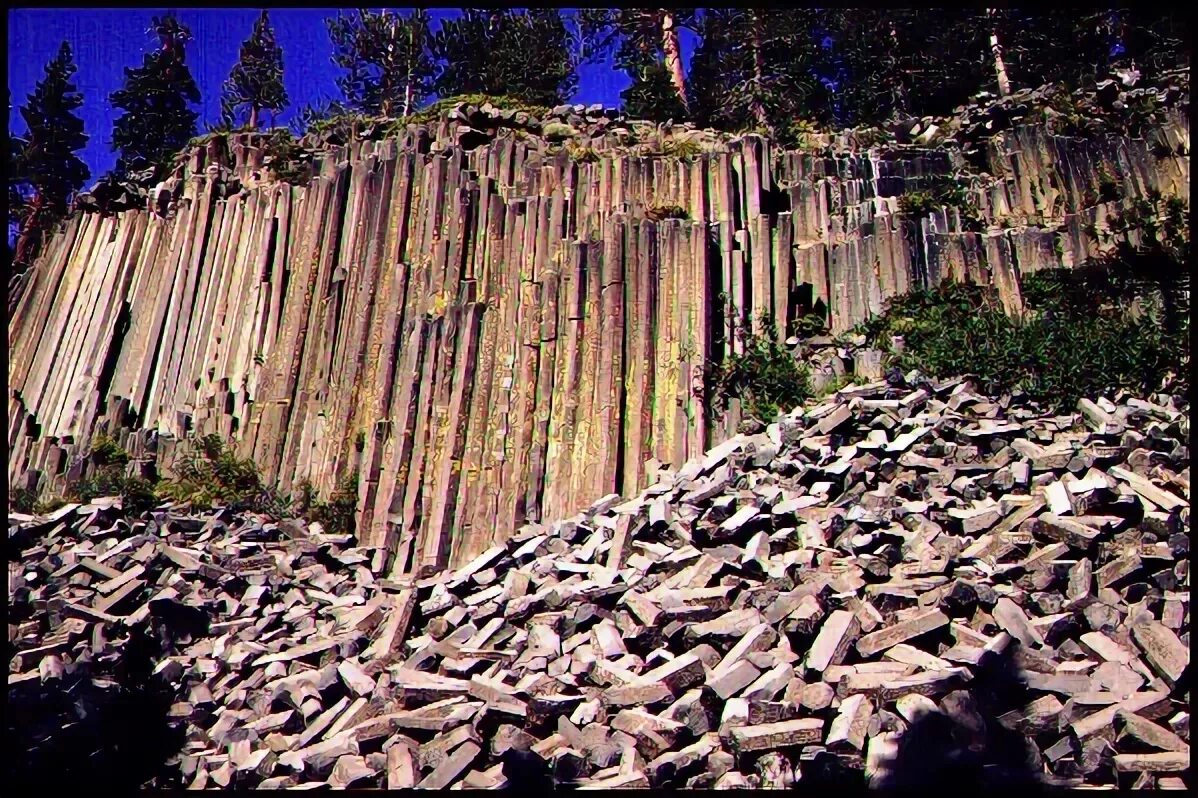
(47, 168)
(1077, 47)
(652, 95)
(524, 55)
(18, 188)
(388, 66)
(905, 62)
(640, 37)
(754, 69)
(1155, 40)
(15, 172)
(257, 79)
(157, 121)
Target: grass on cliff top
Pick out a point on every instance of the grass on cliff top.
(343, 122)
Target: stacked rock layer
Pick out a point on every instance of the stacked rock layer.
(901, 582)
(491, 326)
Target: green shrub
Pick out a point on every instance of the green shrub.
(1079, 337)
(765, 376)
(285, 153)
(1108, 189)
(917, 204)
(211, 473)
(752, 130)
(810, 324)
(581, 154)
(944, 191)
(338, 515)
(685, 149)
(105, 451)
(797, 134)
(23, 500)
(334, 121)
(137, 494)
(871, 137)
(48, 505)
(658, 212)
(835, 385)
(436, 110)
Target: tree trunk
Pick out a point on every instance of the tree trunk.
(253, 117)
(30, 236)
(673, 53)
(407, 86)
(755, 104)
(899, 95)
(1000, 69)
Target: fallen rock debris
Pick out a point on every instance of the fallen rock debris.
(797, 602)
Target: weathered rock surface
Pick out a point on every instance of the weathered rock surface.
(874, 587)
(497, 330)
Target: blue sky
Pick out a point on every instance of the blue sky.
(106, 40)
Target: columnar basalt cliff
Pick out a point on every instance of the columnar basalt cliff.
(490, 328)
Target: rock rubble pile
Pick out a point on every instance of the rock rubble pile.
(900, 573)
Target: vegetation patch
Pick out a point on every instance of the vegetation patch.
(810, 324)
(1087, 332)
(657, 211)
(581, 154)
(286, 156)
(22, 500)
(684, 149)
(798, 134)
(944, 191)
(211, 473)
(105, 451)
(338, 514)
(764, 376)
(1108, 189)
(332, 120)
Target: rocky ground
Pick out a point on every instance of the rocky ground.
(904, 584)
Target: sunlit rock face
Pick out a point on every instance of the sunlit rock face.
(490, 326)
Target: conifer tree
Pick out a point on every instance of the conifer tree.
(526, 55)
(754, 68)
(17, 183)
(256, 81)
(639, 37)
(46, 167)
(388, 66)
(17, 190)
(652, 94)
(158, 121)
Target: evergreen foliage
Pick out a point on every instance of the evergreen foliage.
(158, 121)
(388, 66)
(763, 375)
(1087, 332)
(754, 68)
(44, 168)
(256, 81)
(525, 55)
(652, 95)
(866, 66)
(638, 37)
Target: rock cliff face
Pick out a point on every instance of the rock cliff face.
(491, 329)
